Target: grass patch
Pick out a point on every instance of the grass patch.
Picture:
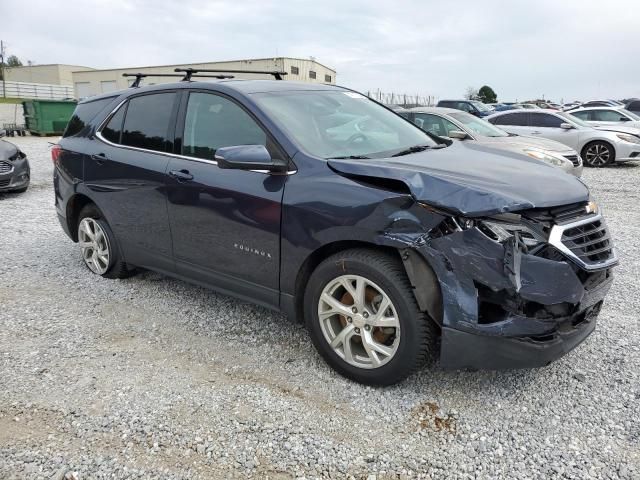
(11, 100)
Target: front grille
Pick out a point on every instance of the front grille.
(5, 167)
(586, 241)
(573, 159)
(5, 183)
(590, 241)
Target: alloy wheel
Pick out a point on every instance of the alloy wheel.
(94, 244)
(359, 321)
(598, 154)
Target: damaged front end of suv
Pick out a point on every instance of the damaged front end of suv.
(518, 274)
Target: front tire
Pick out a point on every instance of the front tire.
(98, 245)
(598, 154)
(364, 319)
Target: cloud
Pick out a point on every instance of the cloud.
(563, 50)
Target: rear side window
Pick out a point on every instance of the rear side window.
(147, 122)
(113, 130)
(584, 115)
(545, 120)
(83, 114)
(513, 119)
(213, 122)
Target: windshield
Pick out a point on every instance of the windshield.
(573, 119)
(338, 123)
(478, 126)
(481, 106)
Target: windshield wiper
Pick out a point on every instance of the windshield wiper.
(349, 157)
(414, 149)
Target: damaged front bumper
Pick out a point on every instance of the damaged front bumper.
(505, 308)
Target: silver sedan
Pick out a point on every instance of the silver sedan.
(598, 147)
(607, 116)
(447, 122)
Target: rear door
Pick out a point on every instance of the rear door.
(126, 176)
(516, 122)
(548, 126)
(225, 224)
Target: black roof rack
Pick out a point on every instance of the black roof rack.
(189, 72)
(184, 77)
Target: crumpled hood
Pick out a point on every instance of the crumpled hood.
(471, 179)
(7, 150)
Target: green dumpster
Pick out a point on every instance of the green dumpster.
(47, 117)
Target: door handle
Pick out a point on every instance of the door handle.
(535, 133)
(181, 175)
(100, 158)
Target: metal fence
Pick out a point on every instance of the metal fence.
(402, 99)
(43, 91)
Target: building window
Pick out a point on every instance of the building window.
(327, 78)
(295, 70)
(312, 74)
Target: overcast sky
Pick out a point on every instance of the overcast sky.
(569, 49)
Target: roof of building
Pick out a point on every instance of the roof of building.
(186, 65)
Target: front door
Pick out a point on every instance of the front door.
(126, 176)
(225, 224)
(548, 126)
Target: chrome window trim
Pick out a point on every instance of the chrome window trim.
(99, 136)
(555, 239)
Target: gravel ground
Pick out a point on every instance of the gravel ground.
(151, 377)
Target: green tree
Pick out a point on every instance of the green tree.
(13, 61)
(487, 95)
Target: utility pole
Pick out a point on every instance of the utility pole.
(4, 84)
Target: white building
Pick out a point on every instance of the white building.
(89, 81)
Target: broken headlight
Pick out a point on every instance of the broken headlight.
(503, 231)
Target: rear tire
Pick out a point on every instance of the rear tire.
(598, 154)
(100, 251)
(364, 319)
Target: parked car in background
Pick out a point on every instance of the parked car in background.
(570, 105)
(317, 201)
(447, 122)
(597, 116)
(528, 106)
(15, 172)
(501, 107)
(633, 106)
(473, 107)
(601, 103)
(597, 148)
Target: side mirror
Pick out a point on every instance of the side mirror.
(567, 126)
(458, 134)
(625, 119)
(248, 157)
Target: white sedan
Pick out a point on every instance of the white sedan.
(597, 148)
(607, 116)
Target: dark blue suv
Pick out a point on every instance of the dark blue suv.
(316, 201)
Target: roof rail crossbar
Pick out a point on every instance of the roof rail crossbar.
(140, 76)
(189, 72)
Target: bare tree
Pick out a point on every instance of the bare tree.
(471, 93)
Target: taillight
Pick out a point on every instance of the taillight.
(56, 151)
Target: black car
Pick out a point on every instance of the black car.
(316, 201)
(473, 107)
(633, 106)
(14, 168)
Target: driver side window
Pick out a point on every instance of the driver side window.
(213, 121)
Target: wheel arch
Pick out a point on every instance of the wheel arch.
(598, 139)
(74, 206)
(417, 268)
